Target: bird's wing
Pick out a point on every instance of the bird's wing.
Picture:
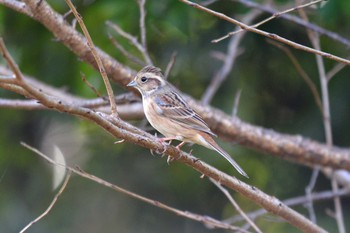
(172, 106)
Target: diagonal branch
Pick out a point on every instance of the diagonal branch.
(332, 35)
(294, 148)
(121, 129)
(59, 193)
(196, 217)
(267, 34)
(274, 16)
(236, 206)
(97, 59)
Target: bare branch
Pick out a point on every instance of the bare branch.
(58, 194)
(17, 6)
(132, 40)
(236, 206)
(298, 149)
(143, 31)
(325, 195)
(302, 73)
(125, 52)
(21, 104)
(315, 40)
(338, 207)
(97, 58)
(236, 103)
(267, 34)
(229, 61)
(94, 90)
(121, 129)
(275, 15)
(170, 65)
(196, 217)
(308, 190)
(12, 64)
(334, 36)
(338, 67)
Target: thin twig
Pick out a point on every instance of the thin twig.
(94, 90)
(236, 103)
(275, 15)
(132, 40)
(235, 205)
(308, 190)
(170, 65)
(338, 207)
(97, 59)
(199, 218)
(338, 67)
(294, 201)
(334, 36)
(12, 64)
(267, 34)
(125, 52)
(58, 194)
(315, 40)
(228, 64)
(302, 73)
(143, 31)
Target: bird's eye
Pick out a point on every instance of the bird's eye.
(144, 79)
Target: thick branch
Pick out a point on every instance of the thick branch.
(121, 129)
(294, 148)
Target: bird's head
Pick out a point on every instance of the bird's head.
(148, 80)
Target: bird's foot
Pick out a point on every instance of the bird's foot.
(169, 159)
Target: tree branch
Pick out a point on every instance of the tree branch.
(267, 34)
(121, 129)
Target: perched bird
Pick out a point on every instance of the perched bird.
(168, 113)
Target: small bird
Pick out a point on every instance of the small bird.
(168, 113)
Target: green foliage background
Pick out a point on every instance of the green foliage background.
(273, 96)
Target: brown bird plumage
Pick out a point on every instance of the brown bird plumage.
(168, 113)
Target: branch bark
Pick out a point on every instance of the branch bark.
(294, 148)
(127, 132)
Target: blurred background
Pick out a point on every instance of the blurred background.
(273, 95)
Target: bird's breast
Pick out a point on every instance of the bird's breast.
(158, 121)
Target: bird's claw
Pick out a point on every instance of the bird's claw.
(164, 144)
(169, 159)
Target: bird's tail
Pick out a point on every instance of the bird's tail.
(214, 146)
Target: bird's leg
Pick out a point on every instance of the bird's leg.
(169, 159)
(167, 139)
(180, 145)
(163, 141)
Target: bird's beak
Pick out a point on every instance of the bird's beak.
(132, 84)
